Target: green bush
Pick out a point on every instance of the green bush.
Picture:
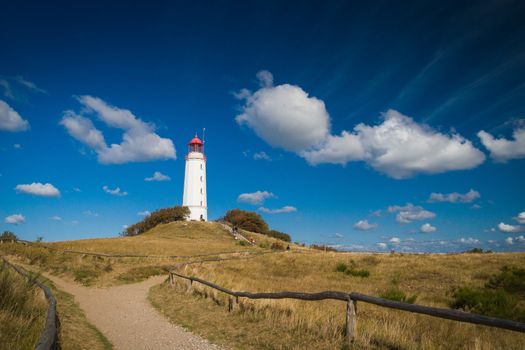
(352, 269)
(8, 236)
(396, 294)
(497, 303)
(161, 216)
(511, 279)
(279, 235)
(246, 220)
(277, 246)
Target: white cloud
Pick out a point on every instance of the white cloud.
(17, 146)
(15, 219)
(509, 240)
(8, 92)
(510, 228)
(114, 192)
(520, 218)
(158, 176)
(265, 78)
(395, 240)
(285, 209)
(38, 189)
(475, 206)
(144, 213)
(56, 218)
(90, 213)
(256, 197)
(520, 239)
(29, 85)
(502, 150)
(409, 213)
(139, 141)
(468, 241)
(10, 120)
(382, 245)
(261, 156)
(338, 235)
(363, 225)
(76, 189)
(454, 197)
(285, 116)
(427, 228)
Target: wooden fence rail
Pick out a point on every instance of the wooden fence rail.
(351, 310)
(49, 337)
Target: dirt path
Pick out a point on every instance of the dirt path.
(127, 319)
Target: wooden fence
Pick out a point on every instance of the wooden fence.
(49, 337)
(351, 300)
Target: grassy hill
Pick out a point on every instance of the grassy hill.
(430, 279)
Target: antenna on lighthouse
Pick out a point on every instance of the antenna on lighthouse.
(203, 130)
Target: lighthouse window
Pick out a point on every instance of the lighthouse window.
(201, 178)
(201, 190)
(201, 203)
(201, 166)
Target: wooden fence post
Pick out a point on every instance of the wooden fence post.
(171, 279)
(351, 321)
(190, 286)
(232, 303)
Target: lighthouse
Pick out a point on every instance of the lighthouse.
(195, 181)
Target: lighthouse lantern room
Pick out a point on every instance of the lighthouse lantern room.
(195, 181)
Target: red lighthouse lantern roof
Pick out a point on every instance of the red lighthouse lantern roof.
(195, 141)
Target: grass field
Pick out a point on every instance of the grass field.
(287, 324)
(291, 324)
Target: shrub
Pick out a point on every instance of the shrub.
(511, 279)
(323, 247)
(352, 269)
(264, 245)
(279, 235)
(246, 220)
(277, 246)
(8, 236)
(488, 302)
(477, 251)
(161, 216)
(396, 294)
(243, 243)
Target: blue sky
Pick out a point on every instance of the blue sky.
(370, 126)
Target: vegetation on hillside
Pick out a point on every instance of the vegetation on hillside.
(22, 311)
(8, 236)
(251, 221)
(503, 295)
(161, 216)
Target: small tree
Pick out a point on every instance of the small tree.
(279, 235)
(246, 220)
(8, 236)
(161, 216)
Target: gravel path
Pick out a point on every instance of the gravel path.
(127, 319)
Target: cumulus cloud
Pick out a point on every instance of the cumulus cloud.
(510, 228)
(90, 213)
(256, 197)
(283, 210)
(468, 241)
(520, 239)
(139, 141)
(395, 240)
(509, 240)
(114, 192)
(410, 212)
(382, 245)
(364, 225)
(144, 213)
(10, 120)
(158, 176)
(38, 189)
(261, 156)
(454, 197)
(15, 219)
(520, 218)
(427, 228)
(265, 78)
(56, 218)
(286, 116)
(503, 150)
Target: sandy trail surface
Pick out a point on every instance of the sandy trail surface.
(128, 320)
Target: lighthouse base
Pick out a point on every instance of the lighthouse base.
(198, 213)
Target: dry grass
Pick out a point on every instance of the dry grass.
(291, 324)
(173, 239)
(22, 311)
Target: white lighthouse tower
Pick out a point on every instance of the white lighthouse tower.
(195, 181)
